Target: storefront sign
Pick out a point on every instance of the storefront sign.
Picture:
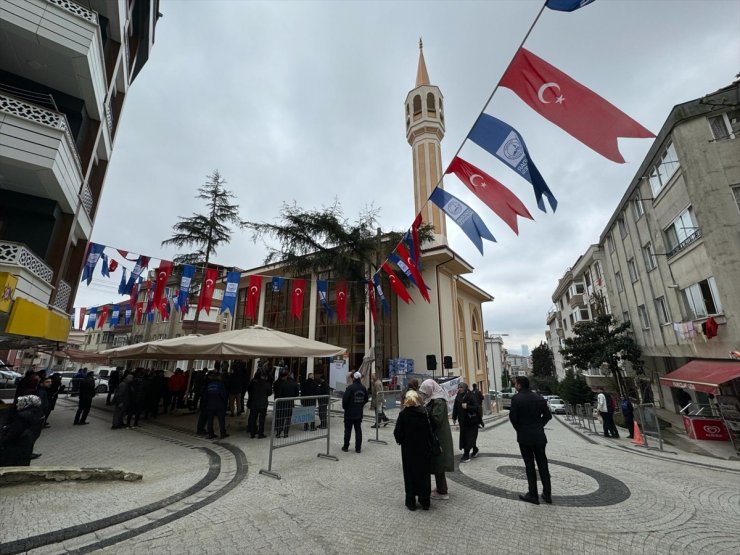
(712, 429)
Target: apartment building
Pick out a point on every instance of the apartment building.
(670, 253)
(65, 70)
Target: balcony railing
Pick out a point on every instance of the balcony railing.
(64, 292)
(17, 254)
(551, 315)
(683, 244)
(75, 9)
(86, 198)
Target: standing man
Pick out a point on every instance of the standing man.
(285, 387)
(625, 405)
(259, 390)
(87, 392)
(216, 397)
(605, 406)
(528, 415)
(113, 381)
(323, 389)
(378, 401)
(353, 401)
(309, 388)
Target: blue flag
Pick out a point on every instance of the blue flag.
(393, 257)
(188, 272)
(229, 300)
(115, 315)
(566, 5)
(322, 286)
(141, 264)
(93, 255)
(464, 216)
(127, 314)
(379, 291)
(104, 270)
(506, 144)
(277, 284)
(122, 285)
(92, 316)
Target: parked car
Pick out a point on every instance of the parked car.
(9, 377)
(506, 399)
(101, 384)
(556, 404)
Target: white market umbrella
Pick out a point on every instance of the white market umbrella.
(145, 350)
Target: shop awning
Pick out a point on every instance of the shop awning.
(703, 375)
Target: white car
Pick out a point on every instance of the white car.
(556, 404)
(8, 377)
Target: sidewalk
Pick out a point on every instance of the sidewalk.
(676, 436)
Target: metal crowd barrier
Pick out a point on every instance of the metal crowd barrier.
(389, 401)
(293, 424)
(569, 413)
(579, 416)
(649, 425)
(588, 411)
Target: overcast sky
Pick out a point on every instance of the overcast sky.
(304, 101)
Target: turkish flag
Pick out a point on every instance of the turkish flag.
(371, 299)
(149, 297)
(576, 109)
(163, 274)
(404, 255)
(164, 307)
(139, 312)
(253, 297)
(134, 293)
(342, 293)
(497, 197)
(296, 302)
(206, 291)
(83, 312)
(396, 284)
(102, 317)
(112, 265)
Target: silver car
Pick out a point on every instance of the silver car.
(556, 404)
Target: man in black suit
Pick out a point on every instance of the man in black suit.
(529, 414)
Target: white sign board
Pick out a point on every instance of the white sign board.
(338, 373)
(450, 388)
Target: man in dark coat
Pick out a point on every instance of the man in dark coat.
(216, 398)
(285, 387)
(413, 432)
(121, 400)
(353, 402)
(136, 401)
(87, 392)
(257, 401)
(113, 381)
(309, 388)
(528, 415)
(323, 389)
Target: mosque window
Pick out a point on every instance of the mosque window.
(431, 105)
(417, 104)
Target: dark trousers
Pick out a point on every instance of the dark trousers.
(83, 409)
(167, 399)
(254, 415)
(134, 412)
(221, 415)
(177, 397)
(530, 454)
(610, 428)
(322, 415)
(283, 418)
(118, 413)
(468, 439)
(111, 391)
(629, 423)
(441, 482)
(357, 425)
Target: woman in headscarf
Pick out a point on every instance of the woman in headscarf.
(465, 412)
(413, 433)
(435, 401)
(19, 435)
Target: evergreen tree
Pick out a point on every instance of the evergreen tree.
(574, 388)
(543, 361)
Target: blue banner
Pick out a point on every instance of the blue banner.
(232, 286)
(93, 255)
(323, 288)
(92, 316)
(188, 272)
(115, 315)
(464, 216)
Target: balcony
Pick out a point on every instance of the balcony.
(551, 315)
(576, 300)
(683, 244)
(34, 275)
(56, 43)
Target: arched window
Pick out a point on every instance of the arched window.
(431, 108)
(475, 325)
(417, 104)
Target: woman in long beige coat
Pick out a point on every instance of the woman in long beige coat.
(377, 402)
(435, 401)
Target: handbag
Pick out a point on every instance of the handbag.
(436, 445)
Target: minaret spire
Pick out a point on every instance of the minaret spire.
(422, 77)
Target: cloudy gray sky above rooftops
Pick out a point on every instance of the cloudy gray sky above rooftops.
(304, 102)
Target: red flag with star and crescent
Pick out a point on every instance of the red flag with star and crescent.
(576, 109)
(342, 293)
(296, 298)
(83, 312)
(496, 196)
(206, 291)
(396, 284)
(253, 297)
(406, 257)
(103, 316)
(371, 299)
(163, 274)
(139, 312)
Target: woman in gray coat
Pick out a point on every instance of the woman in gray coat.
(435, 401)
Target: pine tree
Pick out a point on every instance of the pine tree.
(574, 388)
(543, 361)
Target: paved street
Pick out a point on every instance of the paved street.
(199, 496)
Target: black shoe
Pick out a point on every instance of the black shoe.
(425, 507)
(465, 459)
(630, 437)
(201, 432)
(547, 498)
(385, 422)
(411, 507)
(474, 453)
(358, 450)
(529, 498)
(75, 423)
(35, 455)
(345, 449)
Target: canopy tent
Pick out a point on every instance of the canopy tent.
(254, 341)
(703, 375)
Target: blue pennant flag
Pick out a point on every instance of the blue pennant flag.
(92, 316)
(464, 216)
(150, 316)
(188, 271)
(141, 264)
(104, 270)
(229, 300)
(277, 284)
(381, 296)
(115, 315)
(506, 144)
(393, 257)
(323, 288)
(127, 314)
(93, 255)
(122, 285)
(566, 5)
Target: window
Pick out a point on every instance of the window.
(726, 125)
(583, 314)
(648, 254)
(632, 267)
(431, 105)
(663, 170)
(572, 320)
(620, 283)
(638, 209)
(662, 309)
(625, 316)
(702, 299)
(599, 276)
(623, 231)
(417, 105)
(644, 320)
(683, 227)
(610, 243)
